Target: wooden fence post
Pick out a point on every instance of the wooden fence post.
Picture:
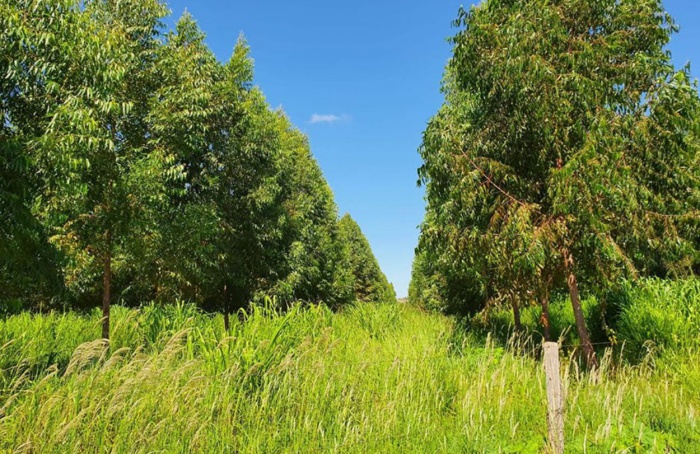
(555, 398)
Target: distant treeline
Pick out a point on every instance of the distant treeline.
(134, 166)
(564, 159)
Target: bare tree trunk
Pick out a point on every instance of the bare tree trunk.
(107, 286)
(589, 353)
(156, 290)
(227, 320)
(516, 316)
(544, 319)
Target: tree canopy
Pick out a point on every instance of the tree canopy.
(369, 282)
(138, 167)
(566, 151)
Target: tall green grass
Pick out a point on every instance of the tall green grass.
(657, 314)
(647, 320)
(373, 378)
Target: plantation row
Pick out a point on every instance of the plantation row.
(564, 160)
(136, 166)
(371, 378)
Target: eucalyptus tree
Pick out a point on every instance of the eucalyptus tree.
(174, 253)
(235, 217)
(566, 149)
(248, 193)
(310, 257)
(369, 282)
(252, 214)
(449, 269)
(100, 170)
(153, 167)
(277, 219)
(422, 289)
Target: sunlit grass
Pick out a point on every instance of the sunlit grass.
(373, 378)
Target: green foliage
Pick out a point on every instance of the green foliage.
(370, 284)
(657, 315)
(132, 159)
(436, 285)
(652, 318)
(28, 263)
(370, 378)
(500, 325)
(312, 266)
(566, 149)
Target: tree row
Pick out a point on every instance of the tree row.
(564, 159)
(136, 166)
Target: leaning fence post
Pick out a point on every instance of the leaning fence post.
(555, 398)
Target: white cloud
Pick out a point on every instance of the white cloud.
(327, 118)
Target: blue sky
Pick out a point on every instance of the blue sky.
(361, 78)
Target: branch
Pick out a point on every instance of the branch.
(488, 178)
(689, 214)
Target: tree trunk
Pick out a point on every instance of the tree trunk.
(544, 319)
(516, 316)
(107, 286)
(227, 321)
(589, 353)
